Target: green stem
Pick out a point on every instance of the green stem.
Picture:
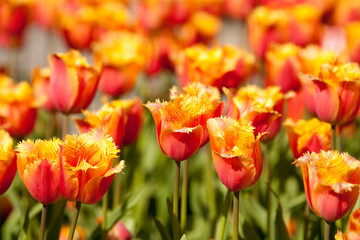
(117, 187)
(176, 200)
(339, 143)
(211, 195)
(224, 214)
(236, 216)
(184, 193)
(74, 220)
(43, 222)
(306, 221)
(333, 137)
(65, 126)
(104, 222)
(327, 231)
(268, 196)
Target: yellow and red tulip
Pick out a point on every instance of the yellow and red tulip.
(86, 166)
(337, 92)
(38, 166)
(77, 80)
(181, 123)
(119, 56)
(18, 107)
(282, 67)
(345, 12)
(261, 107)
(352, 32)
(308, 136)
(331, 182)
(7, 161)
(41, 85)
(238, 9)
(353, 232)
(235, 151)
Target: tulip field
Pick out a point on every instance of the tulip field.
(180, 119)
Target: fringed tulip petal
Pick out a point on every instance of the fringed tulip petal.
(7, 161)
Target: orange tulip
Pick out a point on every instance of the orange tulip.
(80, 233)
(181, 123)
(352, 31)
(86, 162)
(353, 232)
(18, 108)
(345, 12)
(308, 136)
(331, 182)
(282, 67)
(235, 151)
(261, 107)
(220, 66)
(337, 92)
(238, 9)
(41, 85)
(7, 161)
(71, 73)
(119, 55)
(38, 165)
(121, 119)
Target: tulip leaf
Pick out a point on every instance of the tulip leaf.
(249, 231)
(164, 234)
(12, 226)
(53, 223)
(183, 237)
(280, 232)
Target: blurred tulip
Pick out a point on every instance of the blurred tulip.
(119, 232)
(352, 31)
(333, 38)
(239, 9)
(353, 232)
(134, 112)
(337, 92)
(18, 108)
(181, 123)
(261, 107)
(79, 233)
(13, 20)
(235, 151)
(119, 55)
(71, 73)
(86, 162)
(345, 12)
(265, 26)
(308, 136)
(38, 165)
(227, 66)
(46, 12)
(331, 182)
(282, 67)
(41, 85)
(7, 161)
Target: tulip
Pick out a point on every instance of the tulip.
(86, 168)
(46, 12)
(41, 85)
(135, 113)
(337, 93)
(345, 12)
(119, 232)
(38, 165)
(261, 107)
(7, 161)
(119, 55)
(353, 232)
(333, 38)
(80, 233)
(282, 67)
(308, 136)
(218, 67)
(236, 152)
(18, 108)
(352, 31)
(331, 182)
(181, 123)
(71, 73)
(239, 9)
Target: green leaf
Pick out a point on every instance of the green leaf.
(249, 231)
(280, 228)
(54, 219)
(164, 234)
(183, 237)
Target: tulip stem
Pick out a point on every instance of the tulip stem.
(333, 137)
(43, 222)
(268, 196)
(104, 222)
(327, 231)
(65, 126)
(74, 220)
(176, 200)
(211, 194)
(117, 186)
(236, 216)
(220, 235)
(306, 223)
(184, 193)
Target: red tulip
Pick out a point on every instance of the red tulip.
(7, 161)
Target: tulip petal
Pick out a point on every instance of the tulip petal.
(69, 184)
(349, 102)
(64, 84)
(42, 181)
(180, 145)
(327, 101)
(7, 173)
(82, 125)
